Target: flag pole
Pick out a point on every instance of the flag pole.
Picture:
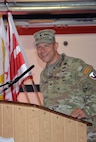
(25, 92)
(35, 90)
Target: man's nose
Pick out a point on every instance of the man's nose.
(42, 49)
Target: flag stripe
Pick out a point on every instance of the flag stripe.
(15, 64)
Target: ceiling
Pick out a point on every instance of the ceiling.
(36, 12)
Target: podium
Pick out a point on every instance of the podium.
(31, 123)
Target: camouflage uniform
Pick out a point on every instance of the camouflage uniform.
(68, 84)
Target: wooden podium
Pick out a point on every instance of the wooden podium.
(31, 123)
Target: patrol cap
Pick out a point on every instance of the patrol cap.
(47, 36)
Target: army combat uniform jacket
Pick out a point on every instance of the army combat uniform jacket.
(68, 84)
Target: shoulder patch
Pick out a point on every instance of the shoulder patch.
(87, 70)
(92, 75)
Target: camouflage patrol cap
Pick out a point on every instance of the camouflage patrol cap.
(47, 36)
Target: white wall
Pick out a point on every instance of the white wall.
(79, 45)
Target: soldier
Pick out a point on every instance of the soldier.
(68, 84)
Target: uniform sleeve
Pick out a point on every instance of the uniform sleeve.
(87, 81)
(42, 81)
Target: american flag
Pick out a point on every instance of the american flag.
(16, 64)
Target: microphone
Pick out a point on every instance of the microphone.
(15, 80)
(18, 78)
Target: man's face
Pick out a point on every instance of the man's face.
(47, 52)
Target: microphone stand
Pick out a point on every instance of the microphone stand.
(10, 83)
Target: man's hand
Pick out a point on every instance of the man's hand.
(78, 113)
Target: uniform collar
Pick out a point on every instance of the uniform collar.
(53, 66)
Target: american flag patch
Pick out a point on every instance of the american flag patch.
(92, 75)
